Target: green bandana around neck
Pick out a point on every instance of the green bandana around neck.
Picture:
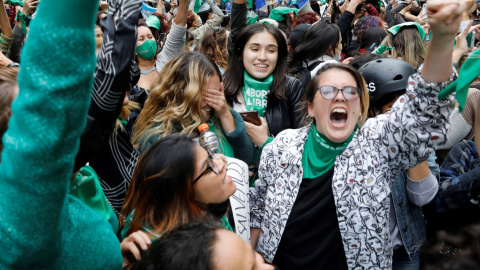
(278, 14)
(468, 72)
(255, 93)
(319, 153)
(394, 30)
(153, 21)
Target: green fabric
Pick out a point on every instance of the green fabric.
(225, 224)
(198, 4)
(266, 22)
(123, 122)
(147, 49)
(394, 30)
(468, 72)
(153, 21)
(224, 144)
(42, 226)
(250, 5)
(255, 93)
(278, 13)
(323, 2)
(86, 187)
(15, 2)
(251, 17)
(319, 153)
(149, 230)
(23, 21)
(382, 49)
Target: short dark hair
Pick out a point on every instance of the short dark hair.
(234, 75)
(315, 42)
(188, 246)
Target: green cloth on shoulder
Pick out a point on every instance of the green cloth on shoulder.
(86, 187)
(320, 153)
(278, 13)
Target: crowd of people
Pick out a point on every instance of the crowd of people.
(354, 122)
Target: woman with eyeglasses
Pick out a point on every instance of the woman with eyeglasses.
(173, 183)
(322, 197)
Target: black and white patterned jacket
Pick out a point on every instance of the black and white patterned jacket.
(363, 173)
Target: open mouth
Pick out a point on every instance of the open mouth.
(262, 66)
(338, 116)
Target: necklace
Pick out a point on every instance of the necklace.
(148, 71)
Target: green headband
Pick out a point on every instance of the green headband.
(278, 13)
(394, 30)
(153, 21)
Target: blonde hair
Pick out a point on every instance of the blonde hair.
(408, 44)
(176, 98)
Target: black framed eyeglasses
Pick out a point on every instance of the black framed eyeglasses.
(211, 167)
(329, 92)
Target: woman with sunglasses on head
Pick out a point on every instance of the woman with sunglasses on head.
(322, 197)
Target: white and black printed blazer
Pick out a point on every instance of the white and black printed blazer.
(363, 173)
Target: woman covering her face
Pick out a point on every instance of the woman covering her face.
(303, 173)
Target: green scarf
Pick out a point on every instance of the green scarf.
(255, 93)
(319, 154)
(468, 72)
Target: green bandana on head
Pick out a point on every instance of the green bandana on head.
(153, 21)
(147, 50)
(468, 72)
(320, 153)
(394, 30)
(278, 14)
(255, 93)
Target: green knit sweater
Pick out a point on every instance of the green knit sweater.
(41, 227)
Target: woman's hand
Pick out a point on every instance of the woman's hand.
(130, 246)
(258, 134)
(216, 100)
(461, 47)
(444, 17)
(29, 6)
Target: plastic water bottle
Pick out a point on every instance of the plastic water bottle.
(209, 140)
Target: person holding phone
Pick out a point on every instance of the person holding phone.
(255, 79)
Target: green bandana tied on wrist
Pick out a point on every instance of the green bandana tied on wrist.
(153, 21)
(394, 30)
(15, 2)
(468, 72)
(382, 49)
(278, 14)
(255, 93)
(320, 153)
(23, 21)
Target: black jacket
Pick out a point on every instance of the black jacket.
(284, 114)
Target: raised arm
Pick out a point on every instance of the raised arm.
(238, 21)
(419, 121)
(48, 117)
(175, 39)
(112, 77)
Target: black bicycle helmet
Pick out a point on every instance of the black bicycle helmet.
(385, 76)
